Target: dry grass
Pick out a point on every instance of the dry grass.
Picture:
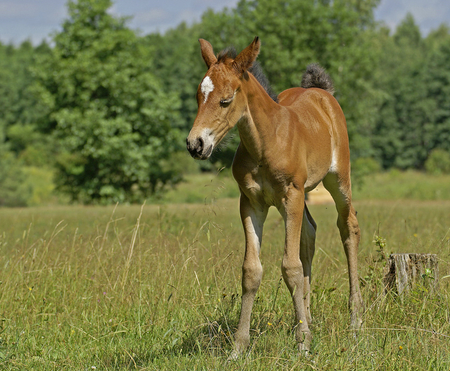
(157, 288)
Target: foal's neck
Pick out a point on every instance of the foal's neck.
(257, 127)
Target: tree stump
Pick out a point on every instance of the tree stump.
(404, 270)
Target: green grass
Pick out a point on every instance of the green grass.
(391, 185)
(397, 185)
(203, 188)
(114, 289)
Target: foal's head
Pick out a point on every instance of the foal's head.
(221, 101)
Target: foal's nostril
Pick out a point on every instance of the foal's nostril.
(195, 147)
(200, 145)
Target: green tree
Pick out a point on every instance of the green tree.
(12, 178)
(22, 147)
(414, 115)
(113, 121)
(437, 77)
(396, 79)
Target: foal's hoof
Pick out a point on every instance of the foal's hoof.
(356, 324)
(305, 345)
(239, 348)
(234, 356)
(303, 349)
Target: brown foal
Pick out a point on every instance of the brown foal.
(288, 145)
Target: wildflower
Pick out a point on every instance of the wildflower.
(415, 234)
(30, 288)
(269, 324)
(400, 347)
(300, 321)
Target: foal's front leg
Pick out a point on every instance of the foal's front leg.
(292, 268)
(252, 220)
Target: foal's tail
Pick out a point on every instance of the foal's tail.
(315, 76)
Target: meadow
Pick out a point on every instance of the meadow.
(157, 286)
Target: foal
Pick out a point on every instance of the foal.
(288, 145)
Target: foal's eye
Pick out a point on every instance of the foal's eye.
(226, 101)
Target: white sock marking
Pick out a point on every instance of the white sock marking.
(207, 87)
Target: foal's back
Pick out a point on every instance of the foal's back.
(320, 131)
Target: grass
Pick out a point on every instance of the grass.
(407, 185)
(201, 188)
(391, 185)
(156, 287)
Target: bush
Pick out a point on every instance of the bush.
(438, 162)
(23, 185)
(12, 178)
(361, 168)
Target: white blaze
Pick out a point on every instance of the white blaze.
(207, 87)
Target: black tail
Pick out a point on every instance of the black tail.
(315, 76)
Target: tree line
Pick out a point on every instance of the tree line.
(101, 112)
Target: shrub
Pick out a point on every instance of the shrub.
(438, 162)
(363, 167)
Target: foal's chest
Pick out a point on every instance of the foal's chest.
(262, 187)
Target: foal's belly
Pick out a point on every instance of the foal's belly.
(266, 190)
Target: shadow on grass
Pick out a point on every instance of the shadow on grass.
(212, 338)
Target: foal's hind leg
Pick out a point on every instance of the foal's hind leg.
(340, 189)
(307, 248)
(292, 266)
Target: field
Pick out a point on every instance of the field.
(156, 287)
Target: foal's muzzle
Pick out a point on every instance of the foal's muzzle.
(198, 148)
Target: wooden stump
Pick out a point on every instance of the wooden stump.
(403, 270)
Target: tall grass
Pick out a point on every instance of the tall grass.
(403, 185)
(390, 185)
(157, 288)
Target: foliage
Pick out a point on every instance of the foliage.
(22, 185)
(113, 121)
(438, 162)
(414, 115)
(362, 168)
(106, 110)
(18, 104)
(21, 145)
(12, 177)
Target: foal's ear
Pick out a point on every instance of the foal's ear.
(207, 52)
(245, 58)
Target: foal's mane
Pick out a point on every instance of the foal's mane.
(256, 70)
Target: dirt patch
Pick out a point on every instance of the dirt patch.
(319, 196)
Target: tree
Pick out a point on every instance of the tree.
(112, 119)
(438, 91)
(414, 114)
(22, 147)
